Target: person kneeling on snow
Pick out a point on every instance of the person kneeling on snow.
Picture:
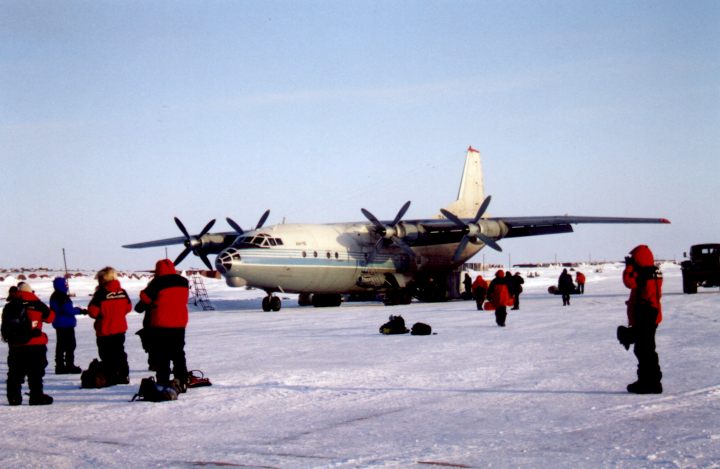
(644, 313)
(165, 300)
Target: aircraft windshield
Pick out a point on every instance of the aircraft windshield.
(260, 240)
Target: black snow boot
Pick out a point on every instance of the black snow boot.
(645, 387)
(40, 399)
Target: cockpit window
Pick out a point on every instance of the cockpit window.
(260, 240)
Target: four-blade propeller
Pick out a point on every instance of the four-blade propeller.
(388, 231)
(193, 243)
(473, 231)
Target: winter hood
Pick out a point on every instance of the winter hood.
(60, 284)
(164, 267)
(643, 256)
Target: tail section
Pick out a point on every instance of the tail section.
(471, 193)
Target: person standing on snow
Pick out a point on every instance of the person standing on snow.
(479, 290)
(565, 286)
(109, 307)
(499, 296)
(64, 325)
(165, 300)
(517, 282)
(29, 358)
(467, 283)
(580, 279)
(644, 313)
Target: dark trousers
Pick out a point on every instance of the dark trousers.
(500, 315)
(479, 297)
(516, 301)
(566, 298)
(26, 360)
(167, 345)
(65, 347)
(111, 349)
(648, 370)
(581, 288)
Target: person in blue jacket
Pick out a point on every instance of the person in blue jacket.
(64, 325)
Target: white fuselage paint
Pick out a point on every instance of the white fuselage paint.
(325, 259)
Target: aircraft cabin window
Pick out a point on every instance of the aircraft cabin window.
(314, 253)
(304, 254)
(328, 254)
(336, 256)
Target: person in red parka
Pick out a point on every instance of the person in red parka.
(29, 358)
(499, 296)
(479, 290)
(109, 307)
(644, 313)
(580, 279)
(165, 301)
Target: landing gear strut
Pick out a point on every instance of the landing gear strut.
(271, 303)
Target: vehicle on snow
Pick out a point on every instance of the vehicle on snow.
(702, 268)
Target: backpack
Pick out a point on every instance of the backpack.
(420, 328)
(396, 325)
(17, 327)
(197, 379)
(150, 391)
(95, 376)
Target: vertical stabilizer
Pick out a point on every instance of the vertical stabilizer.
(471, 193)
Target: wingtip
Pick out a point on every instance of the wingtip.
(665, 220)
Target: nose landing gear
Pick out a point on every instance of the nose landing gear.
(271, 303)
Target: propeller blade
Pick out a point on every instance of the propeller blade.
(207, 228)
(453, 218)
(206, 261)
(489, 242)
(182, 227)
(460, 248)
(481, 210)
(401, 213)
(372, 219)
(263, 219)
(235, 226)
(403, 245)
(182, 256)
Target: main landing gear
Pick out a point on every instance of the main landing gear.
(271, 303)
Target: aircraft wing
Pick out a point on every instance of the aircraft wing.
(533, 226)
(170, 241)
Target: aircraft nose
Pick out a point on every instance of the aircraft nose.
(225, 260)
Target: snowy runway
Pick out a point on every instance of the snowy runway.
(322, 388)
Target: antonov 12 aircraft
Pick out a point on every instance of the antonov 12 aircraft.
(398, 258)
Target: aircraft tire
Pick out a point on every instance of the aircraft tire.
(266, 304)
(275, 303)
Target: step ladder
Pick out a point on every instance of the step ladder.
(200, 296)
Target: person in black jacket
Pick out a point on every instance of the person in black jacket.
(566, 286)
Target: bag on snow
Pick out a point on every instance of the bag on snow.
(626, 336)
(396, 325)
(17, 327)
(150, 391)
(197, 379)
(420, 328)
(95, 376)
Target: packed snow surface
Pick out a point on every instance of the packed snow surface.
(321, 388)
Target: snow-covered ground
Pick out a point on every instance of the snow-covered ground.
(310, 387)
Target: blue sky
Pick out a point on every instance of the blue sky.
(117, 116)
